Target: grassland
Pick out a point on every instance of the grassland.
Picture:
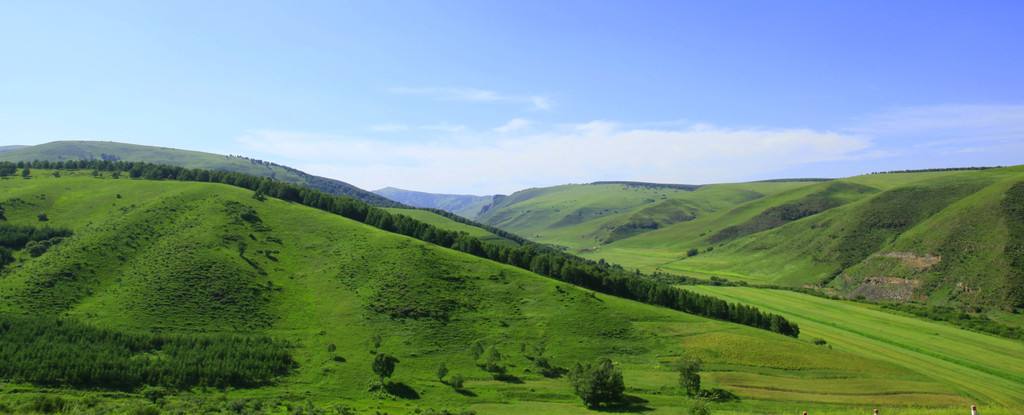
(941, 238)
(977, 365)
(180, 257)
(96, 150)
(442, 222)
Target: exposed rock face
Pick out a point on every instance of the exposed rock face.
(887, 288)
(912, 260)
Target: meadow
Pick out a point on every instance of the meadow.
(188, 258)
(984, 367)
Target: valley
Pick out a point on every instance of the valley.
(330, 287)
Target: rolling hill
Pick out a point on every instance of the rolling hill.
(938, 237)
(467, 206)
(163, 274)
(105, 150)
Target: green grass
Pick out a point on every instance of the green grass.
(95, 150)
(442, 222)
(583, 217)
(190, 258)
(983, 367)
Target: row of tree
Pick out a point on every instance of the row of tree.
(59, 352)
(545, 260)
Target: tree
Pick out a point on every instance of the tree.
(5, 257)
(442, 371)
(689, 375)
(25, 173)
(699, 407)
(598, 383)
(56, 173)
(492, 361)
(456, 381)
(477, 349)
(375, 343)
(384, 366)
(42, 217)
(692, 252)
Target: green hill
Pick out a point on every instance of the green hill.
(467, 206)
(105, 150)
(584, 217)
(158, 278)
(938, 237)
(446, 223)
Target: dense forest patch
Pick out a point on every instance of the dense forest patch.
(61, 352)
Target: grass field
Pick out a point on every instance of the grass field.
(184, 257)
(442, 222)
(981, 366)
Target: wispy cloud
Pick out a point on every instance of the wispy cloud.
(389, 128)
(536, 102)
(585, 152)
(521, 153)
(947, 129)
(514, 124)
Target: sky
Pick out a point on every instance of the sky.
(488, 97)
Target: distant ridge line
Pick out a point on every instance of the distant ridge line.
(797, 179)
(938, 169)
(689, 187)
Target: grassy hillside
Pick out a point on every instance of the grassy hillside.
(442, 222)
(205, 261)
(936, 350)
(942, 237)
(584, 217)
(467, 206)
(105, 150)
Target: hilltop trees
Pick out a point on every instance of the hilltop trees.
(597, 384)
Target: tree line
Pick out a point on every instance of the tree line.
(541, 259)
(52, 351)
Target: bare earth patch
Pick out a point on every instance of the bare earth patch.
(912, 260)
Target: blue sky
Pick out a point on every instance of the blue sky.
(488, 96)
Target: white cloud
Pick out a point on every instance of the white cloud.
(947, 129)
(389, 128)
(514, 124)
(569, 154)
(536, 102)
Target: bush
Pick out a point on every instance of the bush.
(456, 381)
(597, 384)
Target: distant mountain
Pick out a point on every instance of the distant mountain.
(106, 150)
(467, 206)
(9, 148)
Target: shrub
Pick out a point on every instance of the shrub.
(598, 383)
